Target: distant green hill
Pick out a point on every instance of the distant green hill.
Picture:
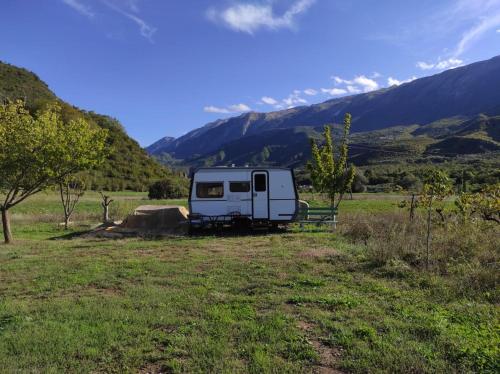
(128, 165)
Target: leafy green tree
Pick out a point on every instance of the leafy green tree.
(489, 203)
(330, 173)
(437, 186)
(39, 151)
(486, 203)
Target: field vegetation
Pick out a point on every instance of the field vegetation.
(355, 300)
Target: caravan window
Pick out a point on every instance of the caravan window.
(239, 186)
(259, 181)
(210, 190)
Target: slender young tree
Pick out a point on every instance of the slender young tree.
(330, 173)
(105, 203)
(38, 151)
(437, 186)
(71, 189)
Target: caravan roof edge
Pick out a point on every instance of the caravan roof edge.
(242, 168)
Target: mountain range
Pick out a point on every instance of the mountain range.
(451, 113)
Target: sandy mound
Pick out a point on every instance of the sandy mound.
(149, 219)
(157, 218)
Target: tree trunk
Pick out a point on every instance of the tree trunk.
(66, 222)
(7, 233)
(106, 213)
(412, 207)
(428, 243)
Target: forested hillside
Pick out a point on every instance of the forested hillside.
(128, 165)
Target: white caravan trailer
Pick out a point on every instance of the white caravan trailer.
(259, 195)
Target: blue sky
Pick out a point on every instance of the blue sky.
(164, 67)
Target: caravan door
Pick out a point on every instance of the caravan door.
(260, 195)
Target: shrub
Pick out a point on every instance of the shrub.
(465, 252)
(359, 183)
(170, 188)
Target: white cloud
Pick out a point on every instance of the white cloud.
(214, 109)
(236, 108)
(334, 91)
(145, 29)
(375, 75)
(311, 92)
(424, 65)
(395, 82)
(449, 64)
(239, 108)
(366, 83)
(249, 17)
(498, 30)
(358, 84)
(440, 65)
(339, 80)
(269, 100)
(294, 100)
(476, 32)
(353, 89)
(133, 5)
(80, 7)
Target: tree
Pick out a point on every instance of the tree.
(359, 183)
(170, 188)
(489, 203)
(437, 186)
(71, 188)
(105, 203)
(38, 151)
(486, 203)
(330, 173)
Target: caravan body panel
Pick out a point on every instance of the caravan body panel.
(259, 194)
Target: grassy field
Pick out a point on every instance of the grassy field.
(277, 302)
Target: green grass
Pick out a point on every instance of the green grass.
(282, 302)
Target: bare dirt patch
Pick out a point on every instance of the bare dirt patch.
(328, 356)
(317, 253)
(153, 369)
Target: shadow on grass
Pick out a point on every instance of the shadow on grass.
(236, 231)
(70, 235)
(192, 234)
(197, 233)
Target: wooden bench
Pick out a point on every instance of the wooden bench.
(318, 216)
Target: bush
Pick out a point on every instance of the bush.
(467, 253)
(359, 183)
(171, 188)
(409, 182)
